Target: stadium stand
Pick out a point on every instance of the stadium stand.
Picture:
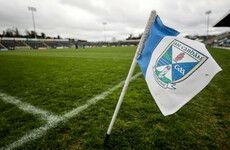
(13, 44)
(66, 44)
(51, 44)
(28, 43)
(2, 46)
(36, 44)
(108, 44)
(218, 37)
(224, 38)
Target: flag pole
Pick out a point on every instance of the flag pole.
(148, 27)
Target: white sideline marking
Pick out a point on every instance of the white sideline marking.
(36, 133)
(27, 107)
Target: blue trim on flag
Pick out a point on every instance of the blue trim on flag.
(157, 33)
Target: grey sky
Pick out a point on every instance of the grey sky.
(82, 19)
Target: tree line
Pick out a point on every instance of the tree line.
(13, 32)
(131, 37)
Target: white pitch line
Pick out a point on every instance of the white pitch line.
(37, 133)
(28, 107)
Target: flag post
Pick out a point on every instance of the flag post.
(148, 27)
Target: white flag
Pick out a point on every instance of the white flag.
(175, 68)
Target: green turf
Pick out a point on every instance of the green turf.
(64, 81)
(15, 123)
(60, 80)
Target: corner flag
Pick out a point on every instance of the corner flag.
(175, 68)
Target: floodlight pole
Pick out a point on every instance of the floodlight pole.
(32, 9)
(104, 23)
(207, 13)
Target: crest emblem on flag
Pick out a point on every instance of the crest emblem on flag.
(177, 62)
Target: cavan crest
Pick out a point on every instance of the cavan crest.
(176, 63)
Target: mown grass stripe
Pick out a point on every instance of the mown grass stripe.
(37, 133)
(43, 114)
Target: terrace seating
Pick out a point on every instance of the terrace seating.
(2, 46)
(12, 44)
(35, 44)
(66, 44)
(52, 44)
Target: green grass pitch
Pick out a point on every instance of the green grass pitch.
(58, 81)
